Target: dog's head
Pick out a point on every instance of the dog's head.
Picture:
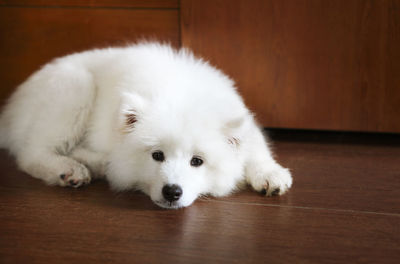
(181, 125)
(177, 151)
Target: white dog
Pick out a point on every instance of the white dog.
(146, 116)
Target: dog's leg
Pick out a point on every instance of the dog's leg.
(50, 114)
(262, 172)
(95, 161)
(53, 168)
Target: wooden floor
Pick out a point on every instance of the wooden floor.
(344, 207)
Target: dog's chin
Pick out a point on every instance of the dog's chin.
(169, 205)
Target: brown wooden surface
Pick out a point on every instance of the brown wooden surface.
(30, 37)
(315, 64)
(94, 3)
(343, 208)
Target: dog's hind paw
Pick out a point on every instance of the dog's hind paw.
(75, 177)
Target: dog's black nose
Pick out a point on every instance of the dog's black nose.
(172, 192)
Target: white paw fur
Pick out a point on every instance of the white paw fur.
(75, 176)
(270, 180)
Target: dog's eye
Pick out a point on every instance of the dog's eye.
(196, 162)
(158, 155)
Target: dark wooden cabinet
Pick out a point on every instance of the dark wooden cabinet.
(304, 64)
(309, 64)
(33, 32)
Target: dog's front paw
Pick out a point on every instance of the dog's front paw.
(75, 176)
(270, 181)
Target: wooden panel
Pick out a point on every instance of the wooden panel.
(31, 37)
(343, 208)
(94, 3)
(312, 64)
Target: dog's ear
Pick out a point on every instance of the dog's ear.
(132, 106)
(233, 130)
(130, 118)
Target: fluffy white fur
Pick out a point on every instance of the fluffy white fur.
(106, 111)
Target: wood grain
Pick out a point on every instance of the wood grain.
(94, 3)
(333, 214)
(351, 172)
(30, 37)
(311, 64)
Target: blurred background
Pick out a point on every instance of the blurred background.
(300, 64)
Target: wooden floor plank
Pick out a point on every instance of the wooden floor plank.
(327, 174)
(343, 207)
(82, 226)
